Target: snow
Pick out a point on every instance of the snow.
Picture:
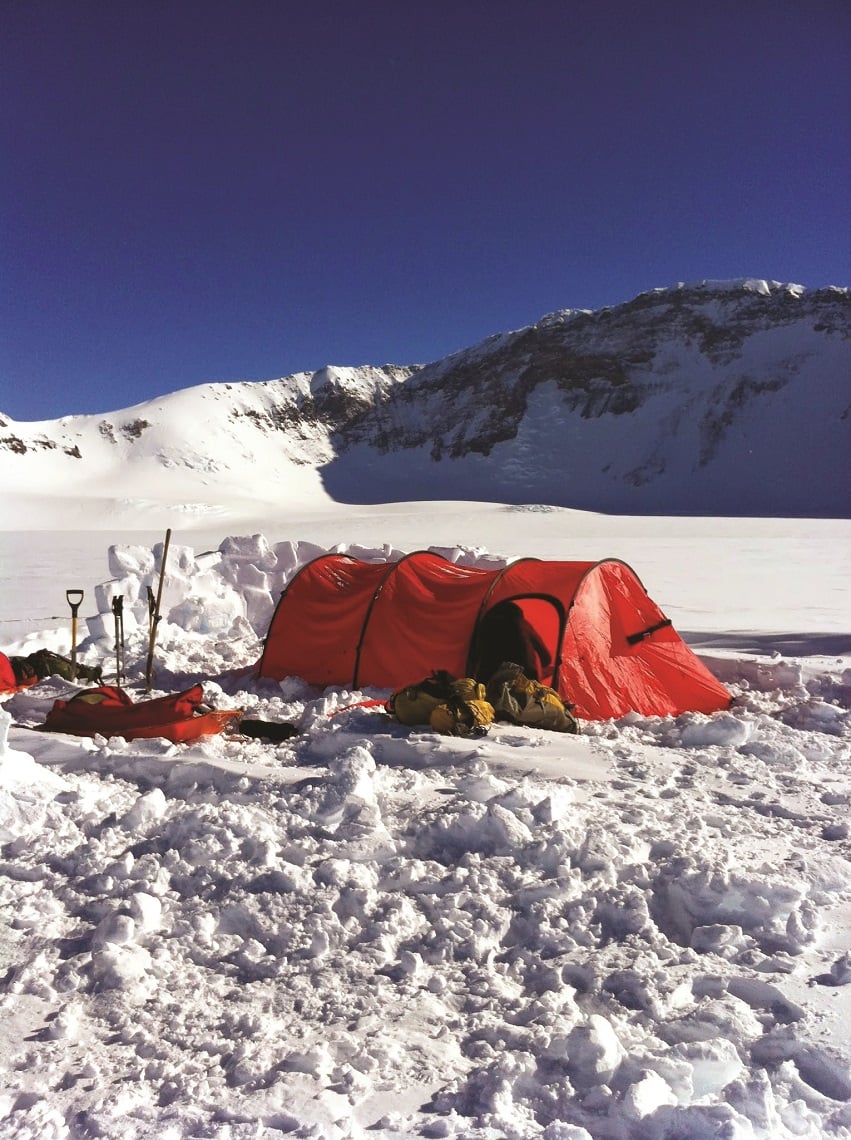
(370, 931)
(756, 285)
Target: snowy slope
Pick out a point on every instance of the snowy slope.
(205, 453)
(726, 398)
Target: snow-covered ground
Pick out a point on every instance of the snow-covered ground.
(643, 931)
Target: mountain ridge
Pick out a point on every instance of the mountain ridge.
(726, 397)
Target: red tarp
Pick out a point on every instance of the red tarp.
(609, 648)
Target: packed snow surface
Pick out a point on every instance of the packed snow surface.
(371, 931)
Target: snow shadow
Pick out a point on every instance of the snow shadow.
(765, 644)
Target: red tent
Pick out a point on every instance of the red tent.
(601, 641)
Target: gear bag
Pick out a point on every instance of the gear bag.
(415, 703)
(453, 707)
(43, 663)
(521, 700)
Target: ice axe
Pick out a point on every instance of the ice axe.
(152, 605)
(74, 598)
(155, 613)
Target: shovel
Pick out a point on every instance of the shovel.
(74, 598)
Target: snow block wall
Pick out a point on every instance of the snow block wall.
(223, 592)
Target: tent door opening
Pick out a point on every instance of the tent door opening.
(526, 630)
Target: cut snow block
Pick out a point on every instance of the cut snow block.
(277, 581)
(101, 627)
(127, 588)
(189, 615)
(450, 553)
(104, 593)
(96, 622)
(139, 612)
(307, 551)
(208, 614)
(180, 560)
(208, 560)
(174, 589)
(130, 560)
(249, 575)
(259, 607)
(384, 553)
(210, 584)
(253, 548)
(286, 554)
(235, 572)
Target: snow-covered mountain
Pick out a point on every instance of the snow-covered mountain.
(722, 398)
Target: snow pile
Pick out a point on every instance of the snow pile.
(207, 593)
(26, 789)
(371, 931)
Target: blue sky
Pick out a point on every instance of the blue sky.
(195, 191)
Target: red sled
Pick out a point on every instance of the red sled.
(109, 711)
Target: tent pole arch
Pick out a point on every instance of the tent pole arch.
(392, 568)
(484, 604)
(327, 556)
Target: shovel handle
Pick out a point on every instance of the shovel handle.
(74, 598)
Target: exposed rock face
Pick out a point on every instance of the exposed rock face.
(329, 402)
(729, 398)
(717, 398)
(604, 363)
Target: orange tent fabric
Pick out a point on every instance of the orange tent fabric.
(608, 648)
